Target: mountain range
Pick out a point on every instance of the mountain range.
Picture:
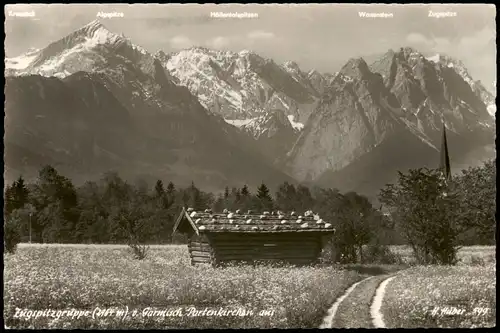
(94, 101)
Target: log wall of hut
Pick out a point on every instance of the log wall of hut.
(200, 250)
(292, 248)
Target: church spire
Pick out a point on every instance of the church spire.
(444, 163)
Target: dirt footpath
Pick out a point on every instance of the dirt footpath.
(354, 310)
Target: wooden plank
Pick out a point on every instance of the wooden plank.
(193, 243)
(270, 244)
(199, 249)
(263, 248)
(263, 240)
(179, 219)
(258, 235)
(310, 252)
(242, 234)
(299, 251)
(199, 246)
(199, 241)
(199, 254)
(201, 259)
(253, 257)
(267, 250)
(251, 245)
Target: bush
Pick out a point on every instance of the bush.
(381, 254)
(139, 251)
(476, 261)
(12, 235)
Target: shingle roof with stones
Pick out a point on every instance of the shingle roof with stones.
(238, 221)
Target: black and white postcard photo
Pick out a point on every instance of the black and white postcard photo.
(254, 166)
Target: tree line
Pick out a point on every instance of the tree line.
(421, 210)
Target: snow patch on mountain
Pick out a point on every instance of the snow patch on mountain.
(282, 102)
(492, 109)
(344, 77)
(62, 75)
(239, 122)
(256, 126)
(245, 52)
(434, 58)
(296, 125)
(21, 62)
(268, 125)
(467, 106)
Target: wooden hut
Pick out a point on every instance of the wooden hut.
(251, 238)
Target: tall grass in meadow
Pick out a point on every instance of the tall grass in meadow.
(87, 277)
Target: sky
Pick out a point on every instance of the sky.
(321, 37)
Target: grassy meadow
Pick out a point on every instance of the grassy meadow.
(96, 277)
(442, 296)
(467, 255)
(85, 277)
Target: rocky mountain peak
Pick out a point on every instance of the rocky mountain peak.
(95, 33)
(356, 68)
(447, 61)
(292, 66)
(407, 51)
(201, 49)
(313, 73)
(408, 55)
(253, 57)
(160, 54)
(60, 58)
(92, 27)
(246, 52)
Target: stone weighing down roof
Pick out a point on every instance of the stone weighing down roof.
(208, 222)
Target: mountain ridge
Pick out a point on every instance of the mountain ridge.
(202, 110)
(402, 95)
(172, 134)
